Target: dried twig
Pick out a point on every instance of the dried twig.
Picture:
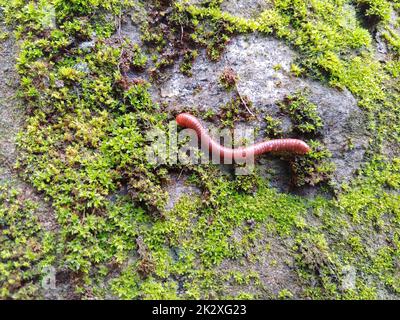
(243, 101)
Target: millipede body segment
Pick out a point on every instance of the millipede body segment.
(278, 145)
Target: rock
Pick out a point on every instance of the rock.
(245, 9)
(82, 66)
(87, 45)
(179, 188)
(59, 83)
(381, 43)
(349, 278)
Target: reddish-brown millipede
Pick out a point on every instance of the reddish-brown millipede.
(289, 145)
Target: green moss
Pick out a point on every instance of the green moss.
(273, 127)
(187, 63)
(285, 294)
(235, 110)
(313, 168)
(4, 36)
(302, 112)
(26, 249)
(375, 8)
(229, 78)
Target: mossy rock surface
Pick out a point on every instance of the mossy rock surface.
(83, 212)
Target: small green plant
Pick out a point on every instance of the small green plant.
(285, 294)
(187, 63)
(25, 247)
(296, 70)
(302, 112)
(235, 110)
(4, 36)
(229, 78)
(379, 9)
(313, 168)
(273, 127)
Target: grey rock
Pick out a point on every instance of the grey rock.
(82, 66)
(179, 188)
(245, 9)
(239, 8)
(87, 45)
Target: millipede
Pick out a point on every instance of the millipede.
(295, 146)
